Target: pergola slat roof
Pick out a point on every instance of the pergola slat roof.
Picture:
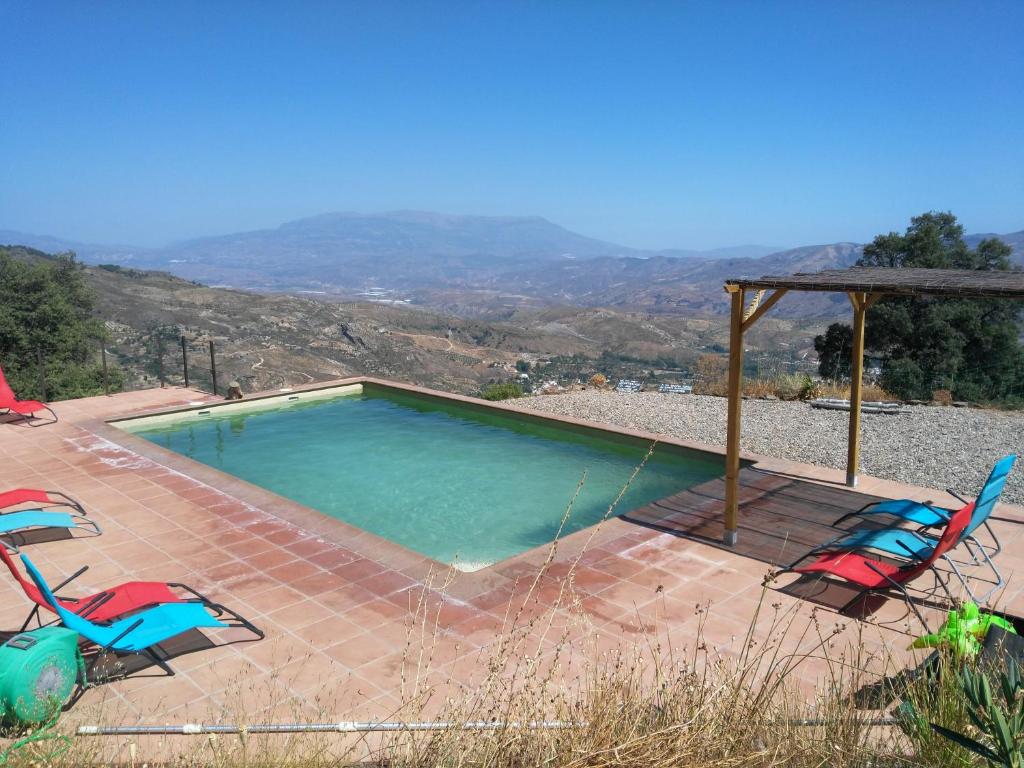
(901, 281)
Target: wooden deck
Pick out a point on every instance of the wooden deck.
(781, 517)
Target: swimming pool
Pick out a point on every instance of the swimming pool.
(460, 483)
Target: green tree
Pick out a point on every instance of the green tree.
(969, 346)
(46, 306)
(835, 351)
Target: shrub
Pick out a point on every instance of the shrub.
(942, 397)
(599, 380)
(998, 718)
(505, 391)
(809, 388)
(712, 375)
(904, 379)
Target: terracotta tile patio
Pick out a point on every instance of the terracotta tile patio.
(341, 608)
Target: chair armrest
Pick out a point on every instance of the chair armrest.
(134, 625)
(70, 578)
(94, 602)
(911, 552)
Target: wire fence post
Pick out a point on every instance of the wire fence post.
(213, 367)
(106, 380)
(42, 375)
(184, 360)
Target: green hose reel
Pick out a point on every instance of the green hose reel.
(38, 672)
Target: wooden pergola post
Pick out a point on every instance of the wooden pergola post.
(732, 441)
(856, 380)
(740, 320)
(860, 301)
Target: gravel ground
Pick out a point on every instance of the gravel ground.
(935, 447)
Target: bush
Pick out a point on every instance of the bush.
(599, 380)
(904, 379)
(712, 375)
(505, 391)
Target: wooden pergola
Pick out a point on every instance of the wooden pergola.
(864, 286)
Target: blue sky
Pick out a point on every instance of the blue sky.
(676, 124)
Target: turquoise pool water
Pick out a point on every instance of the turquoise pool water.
(458, 484)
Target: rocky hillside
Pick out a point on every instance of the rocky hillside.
(275, 340)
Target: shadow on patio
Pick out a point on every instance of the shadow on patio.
(781, 517)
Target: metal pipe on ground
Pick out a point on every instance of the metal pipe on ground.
(196, 729)
(200, 729)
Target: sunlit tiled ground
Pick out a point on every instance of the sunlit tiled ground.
(337, 609)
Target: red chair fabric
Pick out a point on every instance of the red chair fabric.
(25, 495)
(11, 402)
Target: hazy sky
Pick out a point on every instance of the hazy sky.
(674, 124)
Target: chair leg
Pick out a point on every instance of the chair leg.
(998, 547)
(903, 591)
(960, 577)
(33, 614)
(151, 654)
(999, 582)
(978, 550)
(910, 604)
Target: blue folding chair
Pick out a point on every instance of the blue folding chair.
(142, 632)
(905, 543)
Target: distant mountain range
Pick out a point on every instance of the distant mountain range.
(471, 264)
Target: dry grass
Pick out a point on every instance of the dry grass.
(712, 378)
(791, 387)
(841, 391)
(646, 703)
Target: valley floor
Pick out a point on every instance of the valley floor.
(933, 447)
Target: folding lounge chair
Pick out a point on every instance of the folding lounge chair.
(24, 408)
(873, 575)
(31, 526)
(111, 603)
(141, 633)
(896, 541)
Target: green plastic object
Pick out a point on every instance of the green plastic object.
(38, 671)
(963, 631)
